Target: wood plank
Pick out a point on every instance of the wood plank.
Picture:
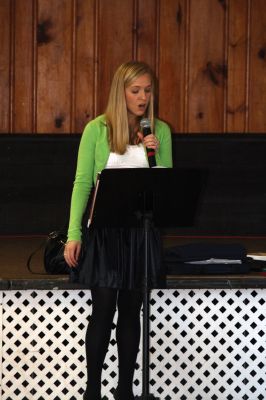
(172, 63)
(5, 66)
(147, 25)
(207, 66)
(257, 80)
(23, 67)
(54, 38)
(115, 44)
(84, 64)
(237, 65)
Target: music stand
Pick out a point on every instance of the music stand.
(140, 197)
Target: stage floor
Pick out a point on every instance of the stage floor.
(15, 250)
(14, 253)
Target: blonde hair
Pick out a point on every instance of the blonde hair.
(116, 110)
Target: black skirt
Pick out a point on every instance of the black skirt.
(115, 258)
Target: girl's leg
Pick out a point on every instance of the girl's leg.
(98, 337)
(128, 337)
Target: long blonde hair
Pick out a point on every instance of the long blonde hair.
(116, 110)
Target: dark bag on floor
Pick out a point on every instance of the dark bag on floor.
(53, 255)
(54, 261)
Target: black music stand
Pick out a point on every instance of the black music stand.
(140, 197)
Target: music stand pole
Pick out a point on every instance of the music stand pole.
(146, 315)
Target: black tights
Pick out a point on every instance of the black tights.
(104, 302)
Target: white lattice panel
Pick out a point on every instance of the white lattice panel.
(43, 340)
(205, 344)
(209, 344)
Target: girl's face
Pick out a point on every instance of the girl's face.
(138, 95)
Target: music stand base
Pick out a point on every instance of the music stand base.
(147, 397)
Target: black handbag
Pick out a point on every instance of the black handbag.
(53, 255)
(54, 260)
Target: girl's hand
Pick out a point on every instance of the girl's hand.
(149, 141)
(72, 252)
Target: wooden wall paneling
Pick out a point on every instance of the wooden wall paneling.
(57, 59)
(84, 64)
(5, 65)
(207, 65)
(23, 67)
(54, 88)
(257, 81)
(147, 32)
(237, 65)
(115, 44)
(173, 63)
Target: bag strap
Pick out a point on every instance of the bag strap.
(42, 245)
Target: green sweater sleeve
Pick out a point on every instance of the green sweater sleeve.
(83, 180)
(164, 155)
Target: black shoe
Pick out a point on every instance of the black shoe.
(118, 396)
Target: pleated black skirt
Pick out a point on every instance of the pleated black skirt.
(115, 258)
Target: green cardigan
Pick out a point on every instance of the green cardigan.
(92, 158)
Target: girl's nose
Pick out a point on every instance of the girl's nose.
(143, 94)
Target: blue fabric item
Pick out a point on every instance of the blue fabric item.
(229, 259)
(204, 251)
(207, 269)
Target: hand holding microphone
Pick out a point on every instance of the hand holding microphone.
(149, 140)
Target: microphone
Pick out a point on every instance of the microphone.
(145, 125)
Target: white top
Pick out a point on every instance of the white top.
(134, 157)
